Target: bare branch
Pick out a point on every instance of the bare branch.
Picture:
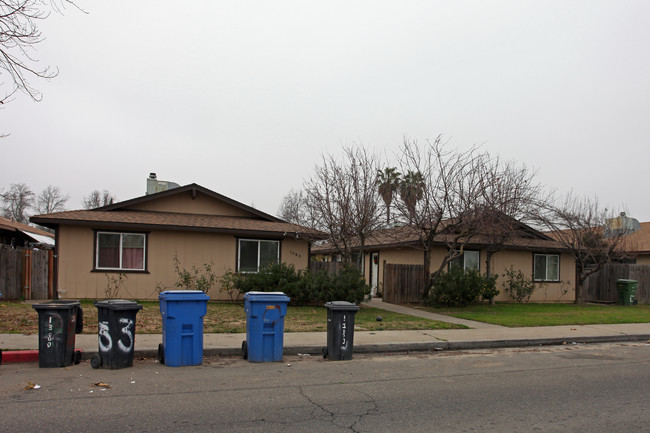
(582, 226)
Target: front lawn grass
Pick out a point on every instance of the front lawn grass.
(522, 315)
(19, 317)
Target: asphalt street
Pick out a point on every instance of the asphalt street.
(566, 388)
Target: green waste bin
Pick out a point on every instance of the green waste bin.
(626, 291)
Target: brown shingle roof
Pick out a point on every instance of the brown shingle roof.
(10, 225)
(122, 216)
(639, 241)
(174, 221)
(408, 236)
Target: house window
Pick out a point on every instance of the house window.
(120, 251)
(469, 260)
(546, 267)
(257, 254)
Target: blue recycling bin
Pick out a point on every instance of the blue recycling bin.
(182, 322)
(265, 313)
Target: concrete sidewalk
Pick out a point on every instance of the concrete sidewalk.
(480, 335)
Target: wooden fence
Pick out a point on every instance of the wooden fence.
(403, 283)
(332, 268)
(601, 286)
(26, 273)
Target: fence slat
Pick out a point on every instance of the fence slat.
(403, 283)
(40, 274)
(11, 273)
(601, 286)
(332, 268)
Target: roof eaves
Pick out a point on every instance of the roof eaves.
(193, 188)
(281, 233)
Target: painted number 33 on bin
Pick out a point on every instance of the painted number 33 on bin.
(126, 335)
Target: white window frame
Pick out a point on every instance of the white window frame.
(464, 258)
(546, 267)
(239, 241)
(121, 250)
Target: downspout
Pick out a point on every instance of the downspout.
(55, 294)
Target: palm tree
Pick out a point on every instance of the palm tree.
(388, 182)
(411, 190)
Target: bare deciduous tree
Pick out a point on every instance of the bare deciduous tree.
(98, 199)
(19, 33)
(581, 225)
(292, 208)
(510, 198)
(441, 202)
(51, 199)
(342, 200)
(17, 201)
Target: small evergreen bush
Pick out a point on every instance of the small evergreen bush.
(518, 286)
(302, 287)
(458, 288)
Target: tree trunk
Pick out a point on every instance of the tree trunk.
(427, 274)
(580, 279)
(488, 260)
(488, 270)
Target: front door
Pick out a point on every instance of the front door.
(374, 273)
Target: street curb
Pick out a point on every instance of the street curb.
(495, 344)
(32, 355)
(429, 346)
(12, 356)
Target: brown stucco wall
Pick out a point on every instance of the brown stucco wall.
(643, 259)
(77, 281)
(563, 291)
(202, 204)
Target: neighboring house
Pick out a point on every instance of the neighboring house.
(532, 252)
(141, 237)
(18, 235)
(637, 245)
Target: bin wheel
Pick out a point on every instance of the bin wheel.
(77, 356)
(324, 352)
(96, 361)
(161, 353)
(244, 350)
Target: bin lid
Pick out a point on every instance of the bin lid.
(118, 304)
(341, 305)
(624, 281)
(183, 295)
(57, 304)
(266, 296)
(265, 293)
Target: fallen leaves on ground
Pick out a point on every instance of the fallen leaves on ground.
(31, 385)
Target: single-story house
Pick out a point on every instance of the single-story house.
(18, 235)
(637, 245)
(141, 238)
(532, 252)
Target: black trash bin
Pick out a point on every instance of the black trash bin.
(116, 333)
(58, 321)
(340, 330)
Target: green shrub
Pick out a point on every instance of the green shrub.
(490, 290)
(195, 278)
(458, 288)
(518, 286)
(302, 287)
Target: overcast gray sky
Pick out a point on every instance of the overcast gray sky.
(243, 97)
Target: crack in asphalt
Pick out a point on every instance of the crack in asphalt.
(373, 410)
(333, 415)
